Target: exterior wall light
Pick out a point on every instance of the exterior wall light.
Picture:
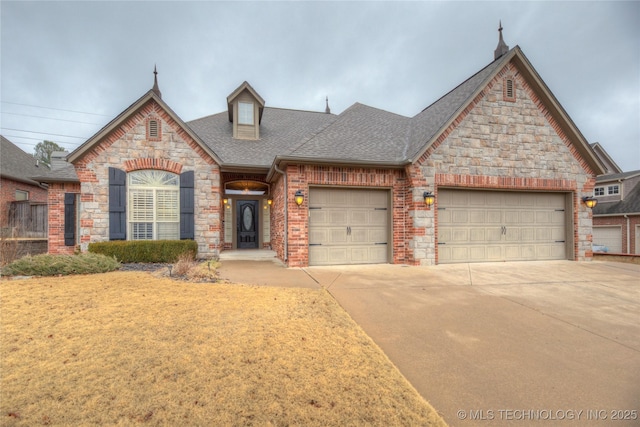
(270, 201)
(299, 197)
(225, 200)
(590, 202)
(429, 198)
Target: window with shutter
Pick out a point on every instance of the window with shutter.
(153, 205)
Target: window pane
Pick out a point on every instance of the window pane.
(141, 205)
(245, 113)
(153, 178)
(168, 231)
(167, 205)
(142, 231)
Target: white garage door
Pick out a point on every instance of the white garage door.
(477, 226)
(609, 237)
(348, 226)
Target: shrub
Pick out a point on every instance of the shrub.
(145, 250)
(53, 265)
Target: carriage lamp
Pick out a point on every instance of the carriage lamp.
(270, 201)
(299, 197)
(429, 198)
(590, 202)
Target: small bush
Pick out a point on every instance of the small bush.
(185, 263)
(53, 265)
(145, 250)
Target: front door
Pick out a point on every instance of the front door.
(247, 224)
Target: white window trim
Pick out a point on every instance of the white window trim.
(613, 190)
(598, 189)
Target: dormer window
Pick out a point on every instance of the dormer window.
(245, 113)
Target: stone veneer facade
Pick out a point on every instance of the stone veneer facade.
(129, 148)
(505, 144)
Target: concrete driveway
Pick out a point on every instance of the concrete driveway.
(531, 343)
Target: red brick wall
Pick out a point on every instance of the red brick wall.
(56, 217)
(628, 235)
(301, 177)
(8, 189)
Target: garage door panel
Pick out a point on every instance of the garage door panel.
(477, 216)
(460, 217)
(348, 226)
(608, 236)
(500, 225)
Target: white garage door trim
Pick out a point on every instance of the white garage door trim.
(348, 226)
(484, 226)
(609, 236)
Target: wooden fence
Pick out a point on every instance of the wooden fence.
(28, 219)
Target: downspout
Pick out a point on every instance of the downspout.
(286, 213)
(628, 234)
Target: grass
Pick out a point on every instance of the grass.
(127, 348)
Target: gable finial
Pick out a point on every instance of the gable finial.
(156, 89)
(327, 109)
(502, 46)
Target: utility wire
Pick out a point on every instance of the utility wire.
(56, 109)
(50, 118)
(45, 133)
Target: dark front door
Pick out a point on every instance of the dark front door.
(247, 224)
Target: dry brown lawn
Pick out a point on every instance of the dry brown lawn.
(127, 348)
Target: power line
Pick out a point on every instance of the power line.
(37, 139)
(56, 109)
(45, 133)
(49, 118)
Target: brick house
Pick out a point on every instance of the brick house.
(500, 162)
(616, 217)
(16, 184)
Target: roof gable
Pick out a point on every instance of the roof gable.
(113, 125)
(434, 120)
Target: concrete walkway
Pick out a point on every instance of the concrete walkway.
(500, 344)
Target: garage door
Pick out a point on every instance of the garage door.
(610, 237)
(477, 226)
(348, 226)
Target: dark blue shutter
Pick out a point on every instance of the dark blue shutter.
(69, 219)
(117, 204)
(187, 223)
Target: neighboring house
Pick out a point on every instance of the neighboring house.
(16, 185)
(616, 217)
(507, 166)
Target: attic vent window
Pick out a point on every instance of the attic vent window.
(509, 89)
(245, 113)
(153, 129)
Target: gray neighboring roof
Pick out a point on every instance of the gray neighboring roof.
(630, 205)
(616, 176)
(62, 173)
(281, 131)
(17, 165)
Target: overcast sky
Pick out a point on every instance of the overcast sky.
(68, 68)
